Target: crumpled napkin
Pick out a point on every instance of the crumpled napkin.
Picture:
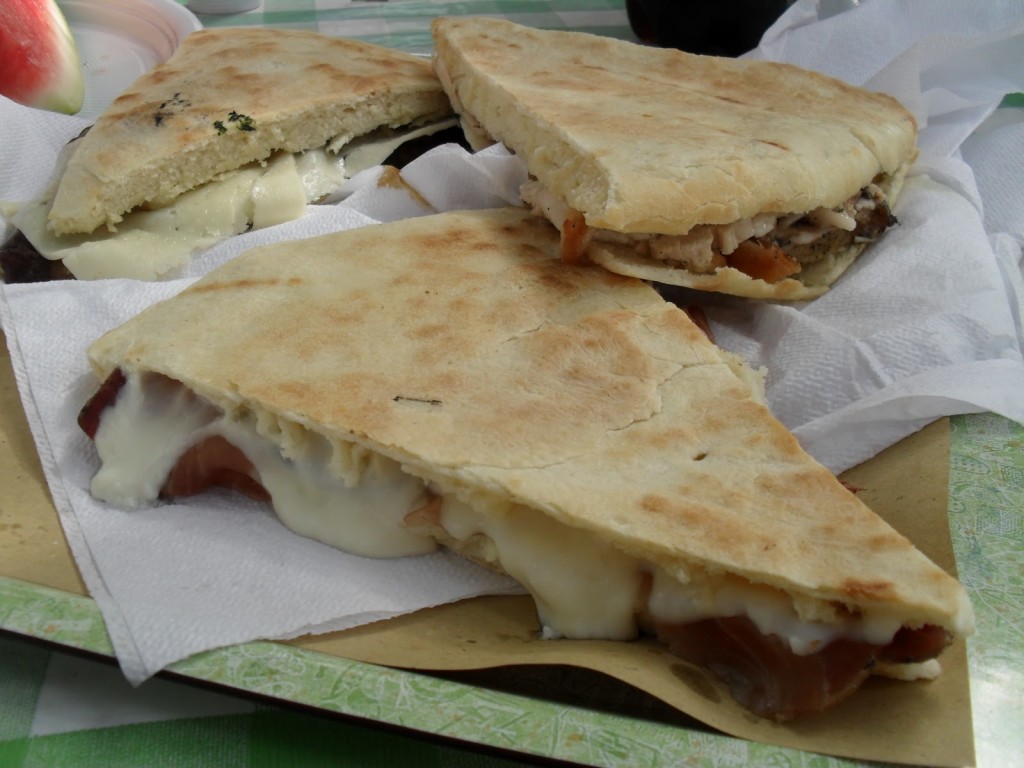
(926, 324)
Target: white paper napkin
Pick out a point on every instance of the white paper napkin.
(926, 324)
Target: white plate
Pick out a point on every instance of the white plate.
(118, 40)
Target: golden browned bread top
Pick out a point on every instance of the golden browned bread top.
(461, 346)
(231, 96)
(651, 140)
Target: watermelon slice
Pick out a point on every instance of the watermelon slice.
(39, 62)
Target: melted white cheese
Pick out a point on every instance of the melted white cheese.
(154, 420)
(278, 194)
(141, 437)
(148, 244)
(584, 588)
(826, 218)
(772, 610)
(368, 151)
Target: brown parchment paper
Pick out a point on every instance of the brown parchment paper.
(920, 723)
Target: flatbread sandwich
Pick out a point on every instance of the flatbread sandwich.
(240, 128)
(448, 380)
(745, 177)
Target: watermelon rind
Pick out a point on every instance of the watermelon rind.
(39, 61)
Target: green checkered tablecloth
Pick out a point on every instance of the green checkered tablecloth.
(405, 24)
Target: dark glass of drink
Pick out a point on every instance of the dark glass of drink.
(715, 27)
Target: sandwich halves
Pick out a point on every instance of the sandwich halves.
(746, 177)
(449, 380)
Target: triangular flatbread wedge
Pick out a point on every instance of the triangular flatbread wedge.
(241, 128)
(746, 177)
(231, 96)
(448, 379)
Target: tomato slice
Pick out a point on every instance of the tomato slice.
(762, 261)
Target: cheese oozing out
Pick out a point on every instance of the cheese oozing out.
(150, 243)
(358, 500)
(154, 420)
(586, 588)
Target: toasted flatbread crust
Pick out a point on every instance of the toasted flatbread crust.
(158, 139)
(651, 140)
(460, 345)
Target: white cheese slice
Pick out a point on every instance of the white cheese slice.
(372, 149)
(154, 420)
(771, 610)
(364, 518)
(141, 437)
(149, 244)
(583, 588)
(278, 194)
(586, 589)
